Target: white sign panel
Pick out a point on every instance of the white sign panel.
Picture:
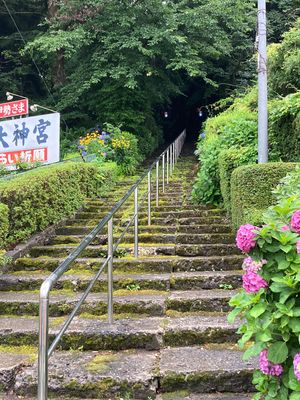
(30, 140)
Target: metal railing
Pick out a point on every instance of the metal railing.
(167, 160)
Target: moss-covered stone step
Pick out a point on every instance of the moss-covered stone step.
(206, 249)
(186, 395)
(180, 206)
(191, 281)
(156, 214)
(152, 237)
(11, 362)
(129, 238)
(199, 300)
(216, 219)
(128, 300)
(139, 374)
(105, 375)
(79, 280)
(132, 282)
(100, 251)
(143, 219)
(92, 221)
(100, 206)
(95, 334)
(204, 228)
(204, 238)
(96, 304)
(85, 230)
(203, 370)
(131, 265)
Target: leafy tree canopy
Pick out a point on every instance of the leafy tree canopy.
(138, 44)
(123, 60)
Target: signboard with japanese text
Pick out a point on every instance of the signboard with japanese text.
(30, 140)
(13, 108)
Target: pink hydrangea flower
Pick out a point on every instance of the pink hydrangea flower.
(296, 363)
(295, 221)
(252, 282)
(298, 246)
(253, 266)
(245, 238)
(285, 228)
(267, 367)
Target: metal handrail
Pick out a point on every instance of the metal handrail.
(168, 159)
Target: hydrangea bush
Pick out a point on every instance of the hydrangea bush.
(269, 303)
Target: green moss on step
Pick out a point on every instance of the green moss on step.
(124, 292)
(117, 316)
(54, 322)
(178, 314)
(103, 388)
(30, 351)
(100, 362)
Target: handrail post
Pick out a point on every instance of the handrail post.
(43, 341)
(171, 159)
(163, 173)
(110, 250)
(157, 182)
(173, 154)
(136, 223)
(175, 158)
(149, 198)
(167, 166)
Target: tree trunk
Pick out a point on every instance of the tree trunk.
(58, 68)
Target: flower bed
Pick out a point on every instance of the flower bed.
(111, 145)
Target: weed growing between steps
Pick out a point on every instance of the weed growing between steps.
(269, 303)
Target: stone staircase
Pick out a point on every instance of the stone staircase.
(170, 339)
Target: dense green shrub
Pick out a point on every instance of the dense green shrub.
(237, 126)
(230, 159)
(49, 194)
(207, 188)
(4, 224)
(284, 63)
(126, 151)
(251, 190)
(288, 186)
(285, 126)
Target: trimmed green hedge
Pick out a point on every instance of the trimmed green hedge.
(251, 190)
(4, 224)
(49, 194)
(230, 159)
